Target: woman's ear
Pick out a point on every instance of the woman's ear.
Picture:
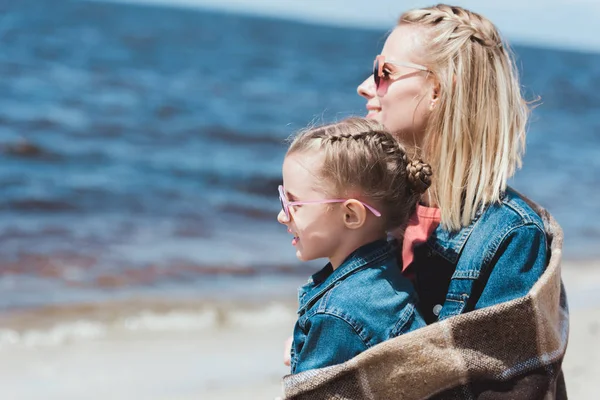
(435, 95)
(354, 214)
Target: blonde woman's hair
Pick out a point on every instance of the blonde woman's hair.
(475, 136)
(360, 156)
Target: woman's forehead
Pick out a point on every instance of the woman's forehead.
(403, 44)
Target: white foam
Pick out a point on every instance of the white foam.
(272, 315)
(176, 321)
(58, 335)
(171, 321)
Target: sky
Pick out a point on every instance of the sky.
(571, 24)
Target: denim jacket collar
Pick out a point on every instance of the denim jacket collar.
(326, 278)
(450, 244)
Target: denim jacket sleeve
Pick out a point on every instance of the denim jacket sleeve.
(518, 263)
(328, 340)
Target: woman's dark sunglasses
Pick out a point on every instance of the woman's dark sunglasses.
(380, 62)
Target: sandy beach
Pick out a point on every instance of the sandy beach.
(196, 352)
(218, 352)
(183, 366)
(581, 365)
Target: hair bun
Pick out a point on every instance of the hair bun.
(419, 175)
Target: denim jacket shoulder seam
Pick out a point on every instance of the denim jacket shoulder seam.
(342, 316)
(491, 250)
(526, 216)
(491, 254)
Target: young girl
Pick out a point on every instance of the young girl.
(345, 186)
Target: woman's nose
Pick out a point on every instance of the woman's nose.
(367, 88)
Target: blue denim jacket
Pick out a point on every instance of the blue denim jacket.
(497, 258)
(365, 301)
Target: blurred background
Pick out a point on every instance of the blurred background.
(140, 151)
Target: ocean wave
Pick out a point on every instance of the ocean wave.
(261, 186)
(41, 205)
(155, 169)
(226, 135)
(88, 270)
(27, 149)
(247, 211)
(86, 328)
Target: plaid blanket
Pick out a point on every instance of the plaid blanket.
(512, 350)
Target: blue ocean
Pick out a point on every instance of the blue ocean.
(141, 146)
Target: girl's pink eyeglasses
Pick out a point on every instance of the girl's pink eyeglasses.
(285, 204)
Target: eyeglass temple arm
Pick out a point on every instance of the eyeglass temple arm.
(299, 203)
(409, 65)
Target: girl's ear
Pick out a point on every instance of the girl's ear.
(354, 214)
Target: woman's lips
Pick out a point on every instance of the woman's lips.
(372, 111)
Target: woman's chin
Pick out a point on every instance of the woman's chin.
(374, 115)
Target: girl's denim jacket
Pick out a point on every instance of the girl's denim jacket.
(342, 313)
(497, 258)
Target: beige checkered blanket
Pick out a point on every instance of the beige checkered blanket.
(512, 350)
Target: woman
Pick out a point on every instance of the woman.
(445, 83)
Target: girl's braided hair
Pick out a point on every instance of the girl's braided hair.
(362, 159)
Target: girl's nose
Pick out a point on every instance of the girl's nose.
(282, 218)
(367, 88)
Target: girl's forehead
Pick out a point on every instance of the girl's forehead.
(301, 171)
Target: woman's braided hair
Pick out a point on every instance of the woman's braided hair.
(475, 134)
(459, 23)
(363, 160)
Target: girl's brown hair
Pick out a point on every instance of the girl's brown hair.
(362, 158)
